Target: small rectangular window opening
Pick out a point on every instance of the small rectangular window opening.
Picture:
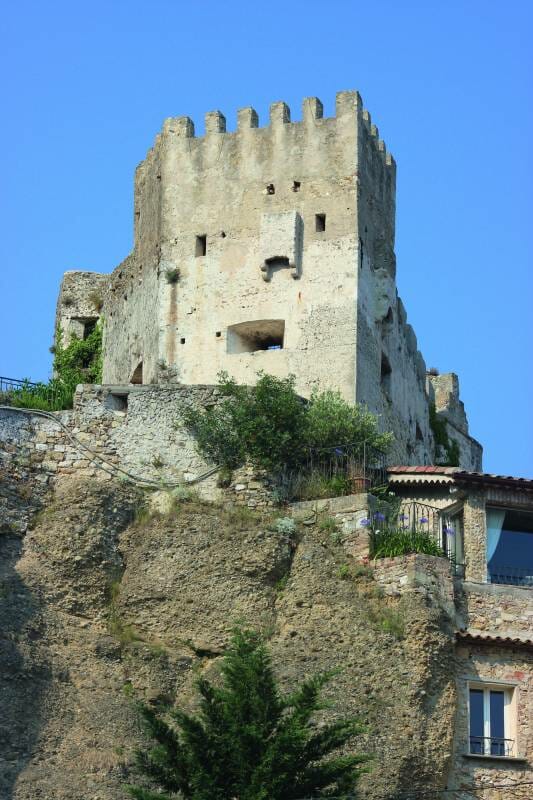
(320, 223)
(296, 186)
(218, 334)
(182, 340)
(201, 245)
(271, 189)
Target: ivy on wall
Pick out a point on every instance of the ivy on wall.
(442, 440)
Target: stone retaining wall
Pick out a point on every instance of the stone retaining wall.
(113, 432)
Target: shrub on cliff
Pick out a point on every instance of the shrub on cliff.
(79, 362)
(270, 426)
(248, 741)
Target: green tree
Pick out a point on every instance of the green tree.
(247, 741)
(331, 421)
(273, 428)
(264, 423)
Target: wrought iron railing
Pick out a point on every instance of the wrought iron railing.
(332, 471)
(11, 384)
(491, 746)
(24, 393)
(516, 576)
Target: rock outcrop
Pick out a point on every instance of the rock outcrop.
(100, 604)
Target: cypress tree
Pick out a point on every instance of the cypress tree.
(247, 742)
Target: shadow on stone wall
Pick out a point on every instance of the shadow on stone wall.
(24, 669)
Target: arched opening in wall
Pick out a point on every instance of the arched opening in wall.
(261, 334)
(386, 373)
(137, 376)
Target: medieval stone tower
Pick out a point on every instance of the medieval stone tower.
(270, 248)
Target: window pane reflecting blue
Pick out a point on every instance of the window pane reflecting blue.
(476, 721)
(497, 727)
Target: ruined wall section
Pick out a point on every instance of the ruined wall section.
(443, 393)
(390, 368)
(80, 301)
(131, 307)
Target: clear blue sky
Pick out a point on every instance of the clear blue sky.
(88, 84)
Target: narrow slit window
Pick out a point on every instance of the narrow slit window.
(320, 223)
(386, 372)
(201, 245)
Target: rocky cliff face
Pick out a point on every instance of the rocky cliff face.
(98, 606)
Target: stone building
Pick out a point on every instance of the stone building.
(485, 523)
(270, 248)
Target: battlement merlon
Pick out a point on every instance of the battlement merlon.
(315, 149)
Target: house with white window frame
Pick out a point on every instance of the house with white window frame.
(485, 524)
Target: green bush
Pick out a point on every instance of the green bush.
(271, 427)
(79, 362)
(393, 542)
(331, 421)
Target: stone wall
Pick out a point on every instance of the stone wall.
(430, 576)
(126, 432)
(510, 667)
(80, 301)
(495, 609)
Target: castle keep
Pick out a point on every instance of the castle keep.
(270, 248)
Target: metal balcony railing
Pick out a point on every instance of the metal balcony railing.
(491, 746)
(329, 471)
(11, 384)
(515, 576)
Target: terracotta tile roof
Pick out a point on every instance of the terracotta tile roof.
(432, 474)
(476, 637)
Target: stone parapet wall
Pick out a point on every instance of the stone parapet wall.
(495, 609)
(347, 513)
(102, 438)
(428, 575)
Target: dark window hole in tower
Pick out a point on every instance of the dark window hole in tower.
(320, 223)
(296, 186)
(218, 334)
(262, 334)
(385, 374)
(137, 376)
(88, 327)
(182, 340)
(271, 189)
(222, 234)
(201, 245)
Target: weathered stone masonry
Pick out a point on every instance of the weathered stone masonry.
(269, 248)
